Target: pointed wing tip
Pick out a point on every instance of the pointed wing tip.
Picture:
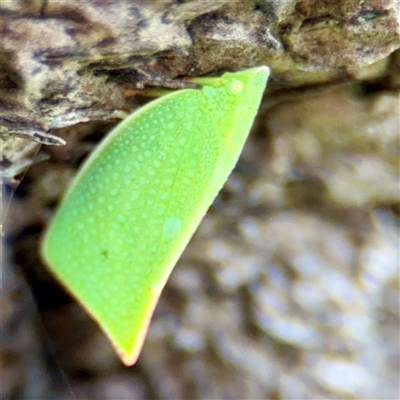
(128, 359)
(130, 356)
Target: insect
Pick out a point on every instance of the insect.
(139, 197)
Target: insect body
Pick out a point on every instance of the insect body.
(139, 197)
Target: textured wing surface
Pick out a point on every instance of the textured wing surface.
(138, 199)
(126, 220)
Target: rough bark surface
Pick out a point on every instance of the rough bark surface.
(290, 287)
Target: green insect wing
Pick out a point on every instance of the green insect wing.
(139, 197)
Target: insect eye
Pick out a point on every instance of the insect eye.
(236, 87)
